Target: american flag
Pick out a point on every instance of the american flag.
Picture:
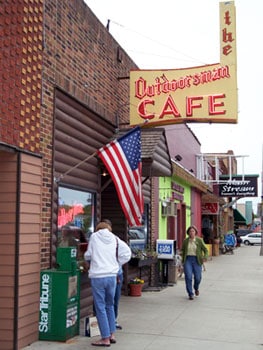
(122, 158)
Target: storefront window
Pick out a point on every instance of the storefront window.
(138, 235)
(75, 211)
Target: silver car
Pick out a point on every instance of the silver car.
(252, 238)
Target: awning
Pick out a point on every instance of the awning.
(239, 218)
(212, 198)
(184, 174)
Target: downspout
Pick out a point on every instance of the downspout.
(17, 241)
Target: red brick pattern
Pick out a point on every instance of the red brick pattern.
(20, 73)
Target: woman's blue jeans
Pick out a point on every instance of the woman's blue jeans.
(118, 295)
(103, 291)
(192, 268)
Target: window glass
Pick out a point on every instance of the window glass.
(75, 210)
(138, 235)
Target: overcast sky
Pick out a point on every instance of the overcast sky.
(172, 34)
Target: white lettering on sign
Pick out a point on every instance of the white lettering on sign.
(44, 304)
(73, 253)
(164, 248)
(236, 187)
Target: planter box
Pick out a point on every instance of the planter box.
(135, 290)
(142, 262)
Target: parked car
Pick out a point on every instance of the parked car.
(243, 232)
(252, 238)
(137, 238)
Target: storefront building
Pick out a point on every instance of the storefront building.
(217, 211)
(65, 94)
(180, 207)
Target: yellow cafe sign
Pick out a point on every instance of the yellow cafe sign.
(198, 94)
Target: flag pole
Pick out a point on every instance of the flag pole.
(74, 167)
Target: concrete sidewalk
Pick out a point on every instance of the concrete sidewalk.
(227, 315)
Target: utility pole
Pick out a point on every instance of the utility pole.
(261, 205)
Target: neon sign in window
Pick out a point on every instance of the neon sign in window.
(76, 208)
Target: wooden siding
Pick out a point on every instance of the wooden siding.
(155, 153)
(8, 197)
(111, 209)
(78, 133)
(29, 248)
(20, 213)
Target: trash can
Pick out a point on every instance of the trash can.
(172, 271)
(60, 298)
(215, 248)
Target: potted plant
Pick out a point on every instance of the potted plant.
(136, 285)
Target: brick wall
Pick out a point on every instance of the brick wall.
(20, 73)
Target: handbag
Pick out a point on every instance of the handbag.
(118, 280)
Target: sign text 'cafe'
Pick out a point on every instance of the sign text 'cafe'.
(198, 94)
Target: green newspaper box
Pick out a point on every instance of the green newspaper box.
(59, 298)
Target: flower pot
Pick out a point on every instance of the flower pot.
(135, 289)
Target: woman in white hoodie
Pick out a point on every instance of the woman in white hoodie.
(106, 252)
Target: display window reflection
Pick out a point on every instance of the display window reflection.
(138, 235)
(75, 213)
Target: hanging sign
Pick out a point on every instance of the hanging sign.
(238, 186)
(210, 208)
(199, 94)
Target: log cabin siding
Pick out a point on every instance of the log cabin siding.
(78, 134)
